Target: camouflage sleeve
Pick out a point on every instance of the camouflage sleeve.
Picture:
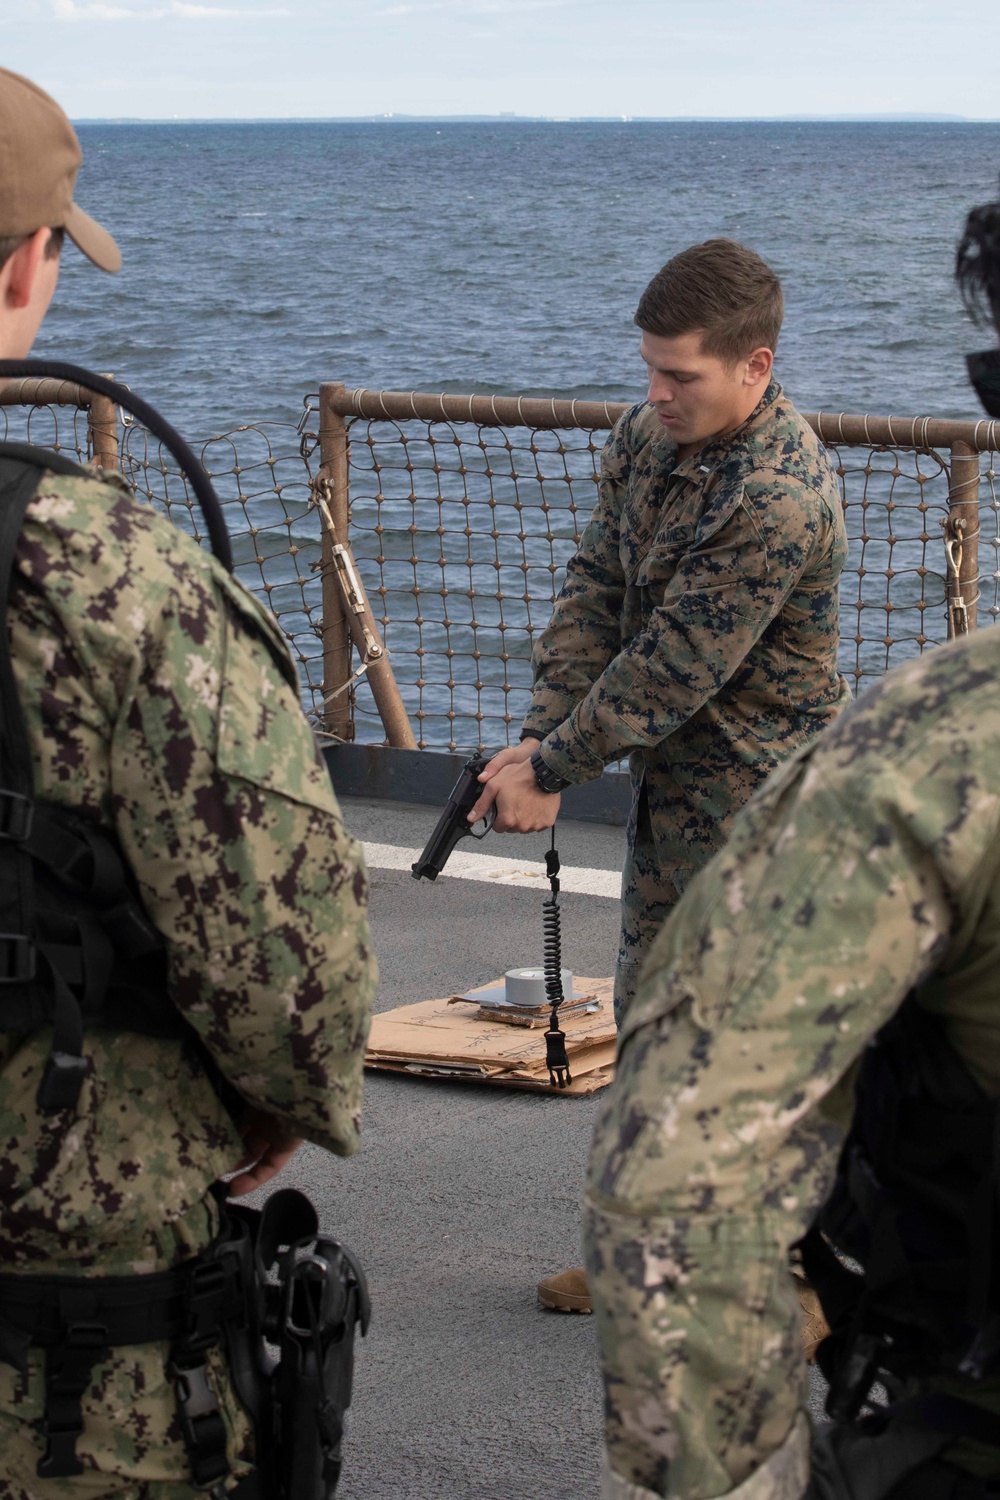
(192, 740)
(839, 890)
(245, 865)
(722, 595)
(583, 635)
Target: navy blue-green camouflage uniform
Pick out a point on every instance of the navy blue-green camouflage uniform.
(867, 870)
(155, 706)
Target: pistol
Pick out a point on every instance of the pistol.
(453, 824)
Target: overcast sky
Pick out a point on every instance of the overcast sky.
(161, 59)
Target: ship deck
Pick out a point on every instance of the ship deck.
(463, 1196)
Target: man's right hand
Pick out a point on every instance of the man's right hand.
(509, 781)
(514, 755)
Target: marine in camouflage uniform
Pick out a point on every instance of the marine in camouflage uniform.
(156, 707)
(867, 866)
(696, 634)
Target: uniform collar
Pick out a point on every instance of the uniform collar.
(717, 452)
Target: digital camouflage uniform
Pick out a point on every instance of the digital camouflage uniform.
(154, 705)
(697, 634)
(868, 865)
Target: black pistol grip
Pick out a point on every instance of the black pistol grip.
(453, 823)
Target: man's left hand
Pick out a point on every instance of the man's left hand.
(522, 807)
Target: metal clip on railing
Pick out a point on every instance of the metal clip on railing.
(956, 584)
(352, 591)
(958, 612)
(339, 565)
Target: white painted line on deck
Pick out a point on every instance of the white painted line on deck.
(495, 870)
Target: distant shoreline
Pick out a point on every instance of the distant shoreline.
(509, 119)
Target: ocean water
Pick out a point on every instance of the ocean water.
(261, 259)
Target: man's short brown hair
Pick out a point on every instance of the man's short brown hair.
(11, 242)
(720, 289)
(977, 264)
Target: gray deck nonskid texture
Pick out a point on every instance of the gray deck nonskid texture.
(461, 1198)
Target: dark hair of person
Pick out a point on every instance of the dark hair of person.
(977, 264)
(10, 242)
(721, 289)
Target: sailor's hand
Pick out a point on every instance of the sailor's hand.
(522, 806)
(269, 1146)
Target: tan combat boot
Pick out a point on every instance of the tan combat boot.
(814, 1326)
(567, 1292)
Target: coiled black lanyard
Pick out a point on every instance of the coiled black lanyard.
(556, 1056)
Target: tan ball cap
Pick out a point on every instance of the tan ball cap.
(39, 159)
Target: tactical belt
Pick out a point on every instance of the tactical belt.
(79, 1320)
(310, 1311)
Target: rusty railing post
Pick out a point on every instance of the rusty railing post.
(102, 430)
(338, 718)
(341, 624)
(962, 539)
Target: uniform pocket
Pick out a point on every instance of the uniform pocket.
(264, 736)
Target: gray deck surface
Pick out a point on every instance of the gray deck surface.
(461, 1198)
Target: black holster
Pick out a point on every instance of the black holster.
(299, 1401)
(296, 1403)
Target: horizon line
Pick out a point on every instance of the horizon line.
(511, 118)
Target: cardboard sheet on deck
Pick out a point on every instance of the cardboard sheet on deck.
(438, 1039)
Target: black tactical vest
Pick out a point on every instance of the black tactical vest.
(77, 949)
(904, 1254)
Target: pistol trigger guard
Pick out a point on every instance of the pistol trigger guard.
(487, 822)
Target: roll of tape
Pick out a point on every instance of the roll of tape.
(527, 987)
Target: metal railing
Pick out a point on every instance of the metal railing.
(463, 511)
(412, 545)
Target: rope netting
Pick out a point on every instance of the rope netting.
(262, 476)
(461, 532)
(892, 591)
(65, 429)
(461, 535)
(989, 539)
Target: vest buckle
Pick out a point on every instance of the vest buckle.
(69, 1367)
(17, 814)
(17, 957)
(202, 1426)
(61, 1082)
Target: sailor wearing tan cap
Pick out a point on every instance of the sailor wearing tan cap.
(39, 159)
(185, 961)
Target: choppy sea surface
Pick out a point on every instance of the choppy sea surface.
(261, 259)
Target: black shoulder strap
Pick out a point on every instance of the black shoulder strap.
(21, 466)
(19, 474)
(18, 482)
(20, 454)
